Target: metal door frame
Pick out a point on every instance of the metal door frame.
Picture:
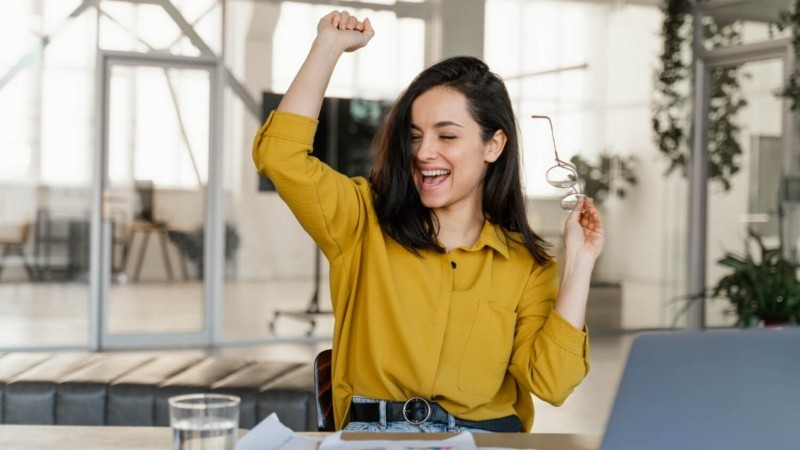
(100, 338)
(704, 62)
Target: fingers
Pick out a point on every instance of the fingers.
(367, 28)
(575, 213)
(352, 22)
(346, 32)
(339, 19)
(590, 217)
(344, 21)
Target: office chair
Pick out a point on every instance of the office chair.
(324, 391)
(16, 247)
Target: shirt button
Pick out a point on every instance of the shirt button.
(453, 264)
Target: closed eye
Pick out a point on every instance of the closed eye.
(447, 137)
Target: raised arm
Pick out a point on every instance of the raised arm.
(583, 242)
(337, 32)
(329, 205)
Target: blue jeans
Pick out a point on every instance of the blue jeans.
(404, 427)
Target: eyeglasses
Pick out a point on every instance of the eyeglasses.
(563, 174)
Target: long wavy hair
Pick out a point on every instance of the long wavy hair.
(400, 211)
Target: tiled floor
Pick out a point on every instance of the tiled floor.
(57, 314)
(50, 314)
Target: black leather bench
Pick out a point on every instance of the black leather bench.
(132, 389)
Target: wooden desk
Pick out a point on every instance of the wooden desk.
(539, 441)
(146, 229)
(47, 437)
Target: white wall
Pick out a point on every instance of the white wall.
(645, 232)
(273, 243)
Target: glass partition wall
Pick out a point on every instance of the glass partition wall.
(108, 202)
(130, 219)
(46, 149)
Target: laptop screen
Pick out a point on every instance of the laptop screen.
(724, 389)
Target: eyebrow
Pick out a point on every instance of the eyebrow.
(442, 124)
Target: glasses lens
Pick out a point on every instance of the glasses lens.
(561, 177)
(570, 201)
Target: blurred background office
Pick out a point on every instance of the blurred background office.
(131, 215)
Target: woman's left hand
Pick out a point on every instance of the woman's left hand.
(583, 231)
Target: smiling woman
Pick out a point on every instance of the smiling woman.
(451, 157)
(433, 265)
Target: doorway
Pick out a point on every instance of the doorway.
(158, 230)
(720, 219)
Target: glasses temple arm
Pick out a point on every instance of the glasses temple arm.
(552, 135)
(559, 162)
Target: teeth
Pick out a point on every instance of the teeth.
(433, 173)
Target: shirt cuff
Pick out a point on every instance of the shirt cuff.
(293, 127)
(566, 336)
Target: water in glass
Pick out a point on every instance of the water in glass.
(204, 433)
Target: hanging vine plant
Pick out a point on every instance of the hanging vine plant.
(724, 149)
(791, 19)
(669, 108)
(671, 118)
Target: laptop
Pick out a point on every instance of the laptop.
(723, 389)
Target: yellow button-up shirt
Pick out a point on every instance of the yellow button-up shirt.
(473, 329)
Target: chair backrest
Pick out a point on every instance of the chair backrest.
(146, 191)
(14, 236)
(324, 391)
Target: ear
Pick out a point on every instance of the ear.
(494, 148)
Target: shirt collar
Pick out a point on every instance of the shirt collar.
(493, 236)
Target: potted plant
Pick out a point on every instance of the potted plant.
(761, 289)
(613, 175)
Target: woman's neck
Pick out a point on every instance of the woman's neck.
(458, 228)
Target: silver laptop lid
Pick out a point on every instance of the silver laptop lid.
(725, 389)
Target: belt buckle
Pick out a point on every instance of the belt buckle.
(413, 401)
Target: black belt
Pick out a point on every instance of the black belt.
(417, 411)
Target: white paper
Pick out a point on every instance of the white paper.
(271, 434)
(462, 441)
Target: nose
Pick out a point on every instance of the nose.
(425, 150)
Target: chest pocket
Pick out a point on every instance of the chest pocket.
(488, 350)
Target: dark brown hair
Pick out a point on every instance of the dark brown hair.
(400, 211)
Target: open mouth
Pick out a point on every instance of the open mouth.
(433, 178)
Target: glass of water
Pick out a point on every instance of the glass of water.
(204, 421)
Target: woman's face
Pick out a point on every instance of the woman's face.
(450, 157)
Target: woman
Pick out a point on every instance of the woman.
(448, 313)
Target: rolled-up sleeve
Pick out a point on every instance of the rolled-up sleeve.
(328, 205)
(550, 356)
